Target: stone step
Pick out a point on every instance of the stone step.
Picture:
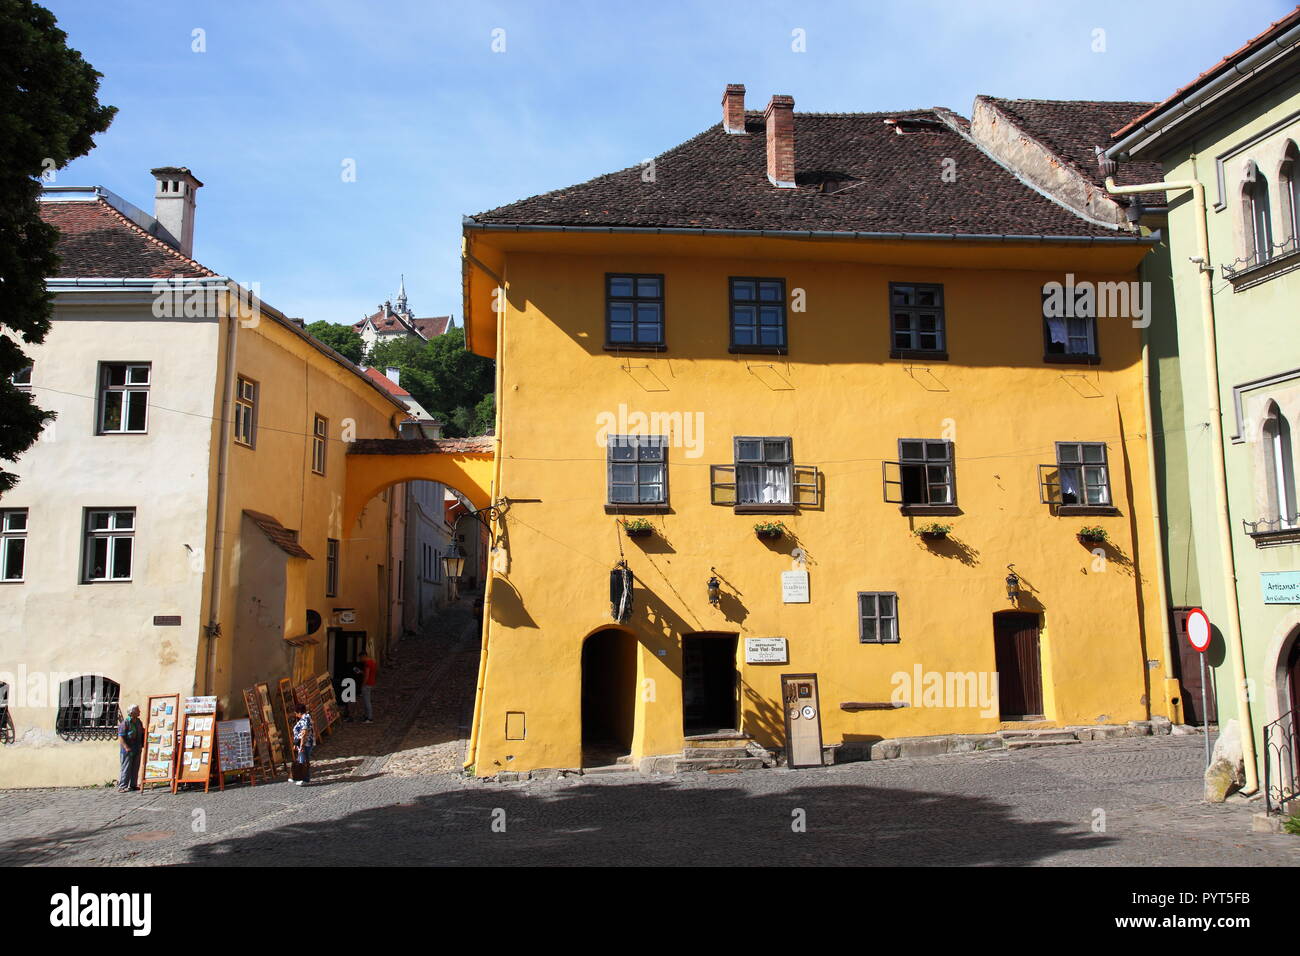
(611, 768)
(723, 739)
(1042, 735)
(688, 765)
(1022, 743)
(707, 753)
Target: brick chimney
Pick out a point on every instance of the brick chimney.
(779, 118)
(173, 206)
(733, 108)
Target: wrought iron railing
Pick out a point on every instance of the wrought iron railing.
(1279, 762)
(1272, 525)
(1275, 250)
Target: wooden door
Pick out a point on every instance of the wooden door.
(1187, 668)
(1020, 671)
(803, 720)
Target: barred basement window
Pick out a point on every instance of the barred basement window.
(877, 617)
(123, 398)
(6, 725)
(88, 709)
(13, 543)
(637, 469)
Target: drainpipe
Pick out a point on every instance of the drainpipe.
(1228, 560)
(471, 754)
(213, 628)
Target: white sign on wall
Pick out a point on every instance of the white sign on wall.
(766, 650)
(794, 587)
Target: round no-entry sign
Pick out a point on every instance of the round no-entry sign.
(1198, 630)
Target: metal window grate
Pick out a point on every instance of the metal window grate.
(88, 709)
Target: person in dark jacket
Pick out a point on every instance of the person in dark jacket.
(130, 734)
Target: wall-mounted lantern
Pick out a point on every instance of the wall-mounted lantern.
(715, 587)
(1013, 584)
(453, 565)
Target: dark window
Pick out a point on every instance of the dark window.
(246, 412)
(21, 378)
(123, 397)
(109, 543)
(320, 436)
(13, 544)
(88, 709)
(916, 317)
(758, 314)
(638, 469)
(331, 567)
(6, 725)
(634, 310)
(877, 617)
(923, 474)
(1079, 477)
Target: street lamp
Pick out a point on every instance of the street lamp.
(453, 565)
(715, 588)
(1013, 584)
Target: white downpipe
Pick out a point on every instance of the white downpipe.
(1228, 561)
(213, 628)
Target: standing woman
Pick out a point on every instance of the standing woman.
(304, 739)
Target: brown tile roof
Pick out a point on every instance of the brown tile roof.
(428, 327)
(1279, 26)
(97, 241)
(422, 446)
(386, 383)
(280, 536)
(854, 171)
(1072, 128)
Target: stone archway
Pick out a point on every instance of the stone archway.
(374, 464)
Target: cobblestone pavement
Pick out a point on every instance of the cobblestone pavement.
(1017, 808)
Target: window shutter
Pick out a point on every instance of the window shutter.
(891, 473)
(1049, 484)
(807, 486)
(723, 484)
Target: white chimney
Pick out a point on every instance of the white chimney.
(394, 374)
(173, 206)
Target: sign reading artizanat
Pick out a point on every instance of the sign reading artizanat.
(766, 650)
(1280, 587)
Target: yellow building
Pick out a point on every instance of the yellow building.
(850, 325)
(177, 522)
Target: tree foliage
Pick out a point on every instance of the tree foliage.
(49, 114)
(443, 376)
(341, 338)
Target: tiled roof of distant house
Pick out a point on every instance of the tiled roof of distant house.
(393, 322)
(854, 172)
(1072, 128)
(97, 241)
(386, 383)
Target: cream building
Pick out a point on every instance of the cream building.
(178, 528)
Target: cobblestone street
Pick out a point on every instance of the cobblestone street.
(390, 793)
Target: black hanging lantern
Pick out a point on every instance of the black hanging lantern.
(715, 588)
(1013, 584)
(620, 592)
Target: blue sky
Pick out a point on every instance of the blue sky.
(439, 125)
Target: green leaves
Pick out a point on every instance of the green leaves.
(49, 115)
(453, 384)
(341, 338)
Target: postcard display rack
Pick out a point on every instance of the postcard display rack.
(288, 713)
(262, 756)
(199, 757)
(276, 750)
(163, 719)
(236, 751)
(329, 706)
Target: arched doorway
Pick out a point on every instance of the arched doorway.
(609, 665)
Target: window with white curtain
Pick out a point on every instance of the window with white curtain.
(764, 471)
